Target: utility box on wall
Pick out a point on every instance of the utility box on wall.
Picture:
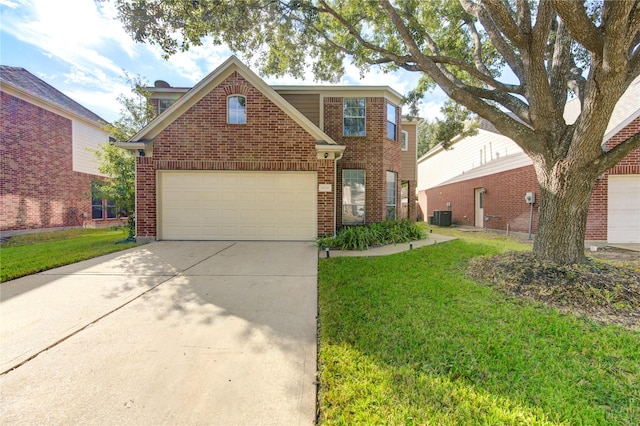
(442, 217)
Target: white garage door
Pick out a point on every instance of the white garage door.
(624, 209)
(203, 205)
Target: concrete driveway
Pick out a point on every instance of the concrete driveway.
(208, 333)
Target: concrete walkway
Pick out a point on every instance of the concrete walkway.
(388, 249)
(211, 333)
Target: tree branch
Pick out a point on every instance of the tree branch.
(560, 65)
(502, 18)
(490, 81)
(612, 157)
(461, 93)
(524, 16)
(498, 41)
(477, 48)
(580, 26)
(546, 116)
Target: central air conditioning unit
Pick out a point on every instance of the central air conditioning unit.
(442, 217)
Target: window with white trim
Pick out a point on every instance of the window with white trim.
(237, 109)
(404, 140)
(392, 195)
(101, 208)
(354, 117)
(353, 197)
(112, 210)
(392, 121)
(97, 208)
(164, 104)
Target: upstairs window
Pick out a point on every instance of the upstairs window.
(237, 109)
(354, 117)
(392, 121)
(404, 140)
(164, 104)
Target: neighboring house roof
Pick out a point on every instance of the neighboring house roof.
(498, 165)
(23, 81)
(194, 95)
(626, 110)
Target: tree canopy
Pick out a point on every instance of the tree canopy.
(550, 49)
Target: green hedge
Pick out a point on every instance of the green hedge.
(374, 234)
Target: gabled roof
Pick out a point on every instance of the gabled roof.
(24, 82)
(626, 110)
(209, 83)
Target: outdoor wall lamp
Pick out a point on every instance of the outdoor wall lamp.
(141, 152)
(326, 155)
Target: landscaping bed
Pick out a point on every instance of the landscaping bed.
(599, 290)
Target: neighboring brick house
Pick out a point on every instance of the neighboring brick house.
(234, 158)
(483, 180)
(47, 172)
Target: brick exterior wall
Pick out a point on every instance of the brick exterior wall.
(201, 139)
(597, 220)
(504, 198)
(505, 195)
(374, 152)
(38, 187)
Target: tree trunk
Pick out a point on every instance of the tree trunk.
(564, 205)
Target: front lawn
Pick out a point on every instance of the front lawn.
(31, 253)
(412, 339)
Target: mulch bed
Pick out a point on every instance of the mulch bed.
(598, 290)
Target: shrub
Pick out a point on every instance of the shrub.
(374, 234)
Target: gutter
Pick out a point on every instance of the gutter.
(140, 148)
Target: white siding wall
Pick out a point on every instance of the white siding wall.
(86, 135)
(438, 165)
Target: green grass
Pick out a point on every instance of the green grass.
(410, 339)
(31, 253)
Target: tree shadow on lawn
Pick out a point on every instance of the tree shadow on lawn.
(409, 338)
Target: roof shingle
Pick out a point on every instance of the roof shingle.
(24, 80)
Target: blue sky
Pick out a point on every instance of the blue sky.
(80, 48)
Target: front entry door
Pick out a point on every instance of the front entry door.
(479, 207)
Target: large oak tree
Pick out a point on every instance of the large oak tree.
(553, 48)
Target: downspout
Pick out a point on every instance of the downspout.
(135, 196)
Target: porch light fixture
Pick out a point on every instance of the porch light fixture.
(141, 152)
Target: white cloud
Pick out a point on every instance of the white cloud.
(11, 4)
(197, 62)
(431, 109)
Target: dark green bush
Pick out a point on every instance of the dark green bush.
(374, 234)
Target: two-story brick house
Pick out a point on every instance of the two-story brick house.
(46, 171)
(234, 158)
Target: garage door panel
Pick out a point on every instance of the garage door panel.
(623, 209)
(201, 205)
